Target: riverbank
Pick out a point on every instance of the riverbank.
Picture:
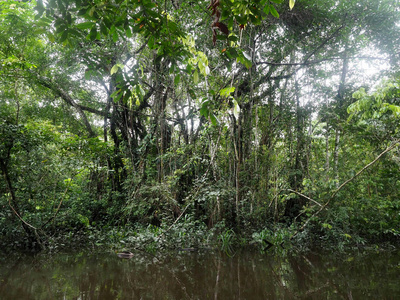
(191, 234)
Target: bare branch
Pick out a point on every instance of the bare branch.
(304, 196)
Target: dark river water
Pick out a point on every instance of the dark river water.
(201, 275)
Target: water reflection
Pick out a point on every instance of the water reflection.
(201, 275)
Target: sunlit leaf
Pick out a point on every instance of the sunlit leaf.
(114, 69)
(236, 109)
(91, 11)
(291, 4)
(227, 91)
(196, 77)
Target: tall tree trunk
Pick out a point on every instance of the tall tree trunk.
(294, 205)
(340, 103)
(236, 138)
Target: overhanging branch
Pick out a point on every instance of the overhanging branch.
(46, 82)
(314, 62)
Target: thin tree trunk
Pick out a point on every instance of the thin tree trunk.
(33, 237)
(294, 206)
(327, 152)
(336, 156)
(340, 102)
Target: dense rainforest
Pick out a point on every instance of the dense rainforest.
(163, 124)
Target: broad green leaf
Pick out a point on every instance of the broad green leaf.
(232, 52)
(69, 18)
(64, 36)
(114, 69)
(244, 59)
(85, 25)
(150, 43)
(202, 69)
(127, 94)
(291, 4)
(395, 109)
(255, 19)
(273, 11)
(117, 97)
(103, 29)
(227, 91)
(139, 91)
(93, 33)
(51, 37)
(128, 32)
(91, 11)
(196, 77)
(213, 119)
(40, 31)
(204, 111)
(233, 38)
(115, 93)
(115, 36)
(236, 109)
(61, 28)
(361, 93)
(203, 63)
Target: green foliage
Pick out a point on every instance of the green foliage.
(384, 103)
(278, 237)
(173, 124)
(227, 239)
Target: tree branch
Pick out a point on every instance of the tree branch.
(304, 196)
(307, 63)
(67, 98)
